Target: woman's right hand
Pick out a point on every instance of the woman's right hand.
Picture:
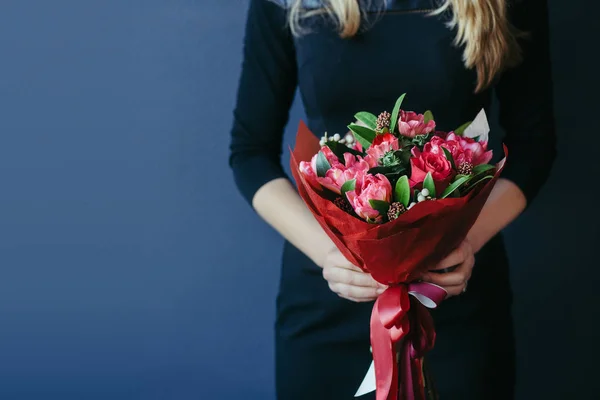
(281, 206)
(347, 280)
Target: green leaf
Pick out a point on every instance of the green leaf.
(339, 149)
(457, 193)
(363, 135)
(450, 158)
(472, 186)
(379, 205)
(367, 118)
(428, 116)
(402, 191)
(461, 129)
(392, 173)
(348, 186)
(457, 177)
(479, 169)
(455, 185)
(396, 112)
(322, 165)
(481, 180)
(429, 184)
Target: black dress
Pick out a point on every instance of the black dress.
(322, 341)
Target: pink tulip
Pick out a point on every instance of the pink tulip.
(329, 155)
(338, 174)
(380, 146)
(309, 169)
(356, 163)
(369, 187)
(336, 177)
(436, 143)
(309, 174)
(411, 124)
(333, 180)
(467, 150)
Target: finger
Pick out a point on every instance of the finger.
(369, 277)
(350, 277)
(454, 290)
(339, 260)
(457, 257)
(356, 292)
(351, 267)
(334, 288)
(357, 300)
(458, 277)
(449, 279)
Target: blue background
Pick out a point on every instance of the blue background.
(130, 268)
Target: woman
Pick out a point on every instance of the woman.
(346, 56)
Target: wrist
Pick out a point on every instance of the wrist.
(321, 252)
(504, 204)
(475, 241)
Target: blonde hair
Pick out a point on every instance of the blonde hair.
(482, 29)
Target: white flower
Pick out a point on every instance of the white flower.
(324, 139)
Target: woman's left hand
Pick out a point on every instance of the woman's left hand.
(455, 282)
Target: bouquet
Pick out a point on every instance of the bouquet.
(397, 196)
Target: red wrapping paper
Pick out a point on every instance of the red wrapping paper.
(394, 253)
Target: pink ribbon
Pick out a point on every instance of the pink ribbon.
(398, 320)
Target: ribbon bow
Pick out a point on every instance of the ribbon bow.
(396, 318)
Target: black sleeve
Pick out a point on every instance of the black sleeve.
(265, 94)
(526, 102)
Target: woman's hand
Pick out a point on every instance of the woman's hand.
(347, 280)
(455, 282)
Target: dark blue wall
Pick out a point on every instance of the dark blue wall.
(130, 268)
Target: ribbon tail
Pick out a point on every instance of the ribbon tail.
(418, 379)
(384, 358)
(394, 321)
(412, 378)
(407, 391)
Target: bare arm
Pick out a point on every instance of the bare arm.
(505, 204)
(526, 114)
(281, 207)
(266, 91)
